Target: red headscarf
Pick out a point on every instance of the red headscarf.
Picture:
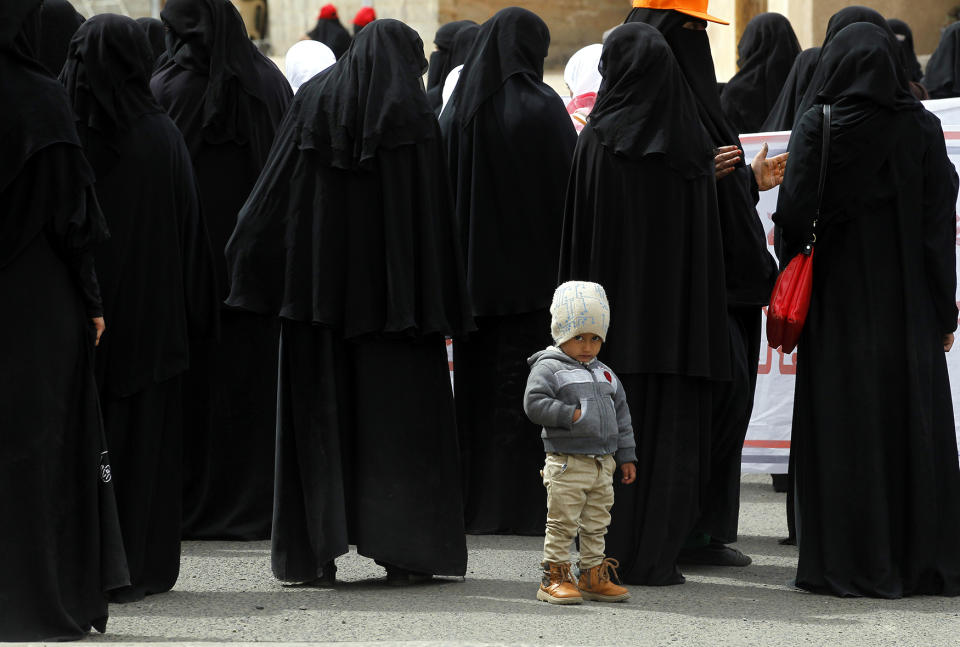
(364, 17)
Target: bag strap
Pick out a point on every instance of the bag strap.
(824, 155)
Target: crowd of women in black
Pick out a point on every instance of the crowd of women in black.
(277, 276)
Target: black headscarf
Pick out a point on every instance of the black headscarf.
(34, 115)
(513, 42)
(631, 120)
(509, 144)
(107, 74)
(350, 223)
(784, 110)
(766, 53)
(333, 34)
(750, 270)
(943, 70)
(372, 98)
(59, 21)
(153, 28)
(905, 38)
(209, 37)
(440, 65)
(455, 56)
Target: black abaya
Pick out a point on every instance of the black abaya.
(60, 550)
(905, 40)
(509, 145)
(877, 479)
(59, 21)
(442, 60)
(784, 109)
(349, 237)
(749, 270)
(642, 156)
(156, 277)
(766, 53)
(227, 99)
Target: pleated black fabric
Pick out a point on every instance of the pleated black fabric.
(61, 549)
(363, 463)
(766, 53)
(942, 79)
(153, 28)
(885, 256)
(643, 155)
(333, 34)
(441, 60)
(749, 269)
(355, 249)
(157, 280)
(59, 21)
(227, 99)
(784, 110)
(509, 146)
(905, 39)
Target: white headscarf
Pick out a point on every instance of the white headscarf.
(306, 59)
(581, 74)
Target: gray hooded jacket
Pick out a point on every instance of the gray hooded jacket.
(557, 386)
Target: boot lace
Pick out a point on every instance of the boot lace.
(607, 568)
(566, 575)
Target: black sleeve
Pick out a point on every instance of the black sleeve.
(797, 201)
(940, 232)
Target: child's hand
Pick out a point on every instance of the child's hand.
(577, 414)
(629, 471)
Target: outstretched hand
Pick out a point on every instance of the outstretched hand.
(769, 172)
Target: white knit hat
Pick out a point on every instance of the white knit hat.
(579, 307)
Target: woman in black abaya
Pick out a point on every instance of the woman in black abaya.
(59, 21)
(330, 31)
(643, 155)
(153, 28)
(766, 53)
(156, 278)
(877, 479)
(349, 238)
(60, 549)
(905, 40)
(227, 99)
(749, 272)
(509, 146)
(943, 69)
(440, 63)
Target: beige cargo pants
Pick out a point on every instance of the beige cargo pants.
(579, 498)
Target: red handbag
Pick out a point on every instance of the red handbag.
(790, 300)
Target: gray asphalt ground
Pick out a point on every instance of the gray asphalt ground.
(227, 594)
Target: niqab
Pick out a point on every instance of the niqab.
(440, 64)
(34, 114)
(370, 99)
(58, 21)
(766, 53)
(943, 69)
(208, 37)
(153, 28)
(332, 33)
(631, 120)
(108, 77)
(905, 39)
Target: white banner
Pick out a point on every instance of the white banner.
(767, 447)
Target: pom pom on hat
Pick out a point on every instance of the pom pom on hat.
(364, 17)
(579, 308)
(327, 11)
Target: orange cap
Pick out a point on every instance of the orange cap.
(695, 8)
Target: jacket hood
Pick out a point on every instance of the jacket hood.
(552, 352)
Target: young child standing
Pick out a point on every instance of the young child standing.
(583, 410)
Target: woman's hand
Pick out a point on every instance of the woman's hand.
(769, 172)
(629, 471)
(947, 342)
(577, 414)
(726, 159)
(100, 325)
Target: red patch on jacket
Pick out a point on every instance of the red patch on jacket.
(609, 377)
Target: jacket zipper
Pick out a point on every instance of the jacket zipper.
(596, 395)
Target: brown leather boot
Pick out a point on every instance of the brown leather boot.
(557, 585)
(595, 583)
